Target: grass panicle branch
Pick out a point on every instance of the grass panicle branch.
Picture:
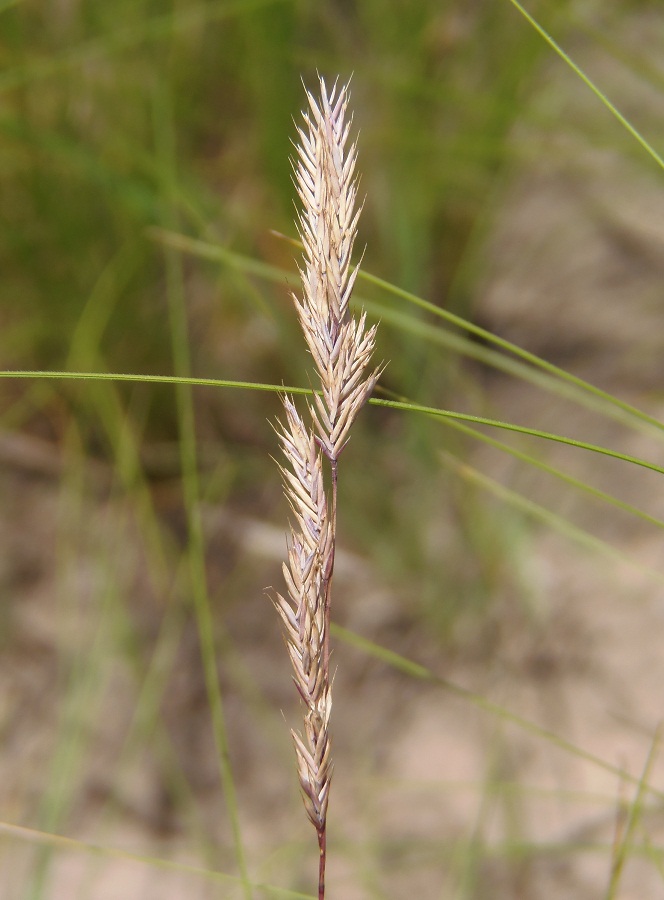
(341, 347)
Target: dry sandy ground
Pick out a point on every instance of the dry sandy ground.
(430, 787)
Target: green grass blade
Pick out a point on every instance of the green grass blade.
(624, 845)
(63, 844)
(582, 486)
(154, 379)
(195, 550)
(217, 253)
(463, 346)
(601, 96)
(508, 346)
(422, 673)
(551, 519)
(519, 429)
(374, 401)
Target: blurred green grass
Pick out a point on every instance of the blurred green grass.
(121, 122)
(83, 182)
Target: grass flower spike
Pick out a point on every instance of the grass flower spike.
(341, 348)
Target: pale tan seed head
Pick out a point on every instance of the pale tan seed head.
(341, 348)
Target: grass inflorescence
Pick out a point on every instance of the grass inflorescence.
(341, 348)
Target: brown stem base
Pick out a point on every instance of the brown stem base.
(322, 842)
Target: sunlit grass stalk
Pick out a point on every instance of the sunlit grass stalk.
(341, 348)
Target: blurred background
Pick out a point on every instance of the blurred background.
(146, 227)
